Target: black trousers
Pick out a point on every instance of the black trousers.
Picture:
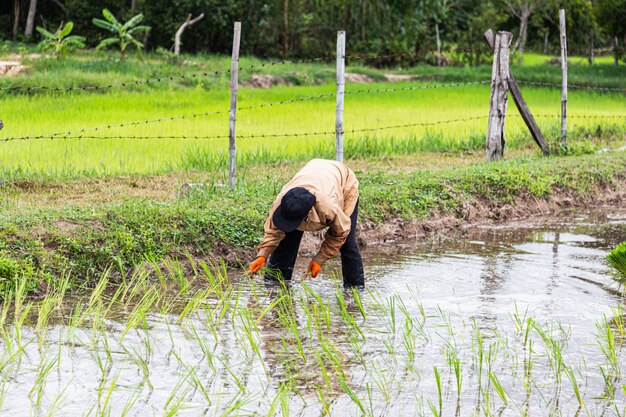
(283, 259)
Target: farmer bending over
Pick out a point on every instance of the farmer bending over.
(323, 194)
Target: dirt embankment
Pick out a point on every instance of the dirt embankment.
(471, 214)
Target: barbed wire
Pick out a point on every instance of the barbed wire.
(252, 107)
(250, 136)
(573, 86)
(309, 134)
(414, 88)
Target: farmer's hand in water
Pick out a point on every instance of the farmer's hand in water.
(314, 269)
(257, 264)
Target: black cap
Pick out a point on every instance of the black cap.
(293, 208)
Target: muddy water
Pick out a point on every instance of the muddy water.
(515, 312)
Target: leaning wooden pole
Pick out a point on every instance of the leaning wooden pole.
(498, 98)
(234, 81)
(341, 82)
(564, 81)
(523, 108)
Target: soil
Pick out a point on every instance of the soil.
(473, 214)
(11, 68)
(399, 77)
(358, 78)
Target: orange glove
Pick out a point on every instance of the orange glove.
(314, 269)
(257, 264)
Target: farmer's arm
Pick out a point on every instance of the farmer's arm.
(335, 236)
(271, 239)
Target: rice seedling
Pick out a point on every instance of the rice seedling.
(46, 366)
(554, 352)
(138, 314)
(606, 341)
(355, 399)
(437, 412)
(575, 386)
(498, 388)
(617, 259)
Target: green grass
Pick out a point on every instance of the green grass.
(86, 241)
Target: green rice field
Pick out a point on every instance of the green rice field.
(50, 114)
(451, 118)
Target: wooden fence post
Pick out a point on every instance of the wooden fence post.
(234, 80)
(564, 84)
(498, 98)
(523, 108)
(341, 67)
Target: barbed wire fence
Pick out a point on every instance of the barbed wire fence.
(339, 95)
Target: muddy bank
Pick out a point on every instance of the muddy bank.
(472, 214)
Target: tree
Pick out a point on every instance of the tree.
(30, 19)
(123, 32)
(181, 29)
(60, 41)
(611, 15)
(523, 9)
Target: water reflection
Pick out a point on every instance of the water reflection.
(502, 304)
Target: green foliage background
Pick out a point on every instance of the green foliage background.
(305, 28)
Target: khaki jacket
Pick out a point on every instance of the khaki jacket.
(336, 190)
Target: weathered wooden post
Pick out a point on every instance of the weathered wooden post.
(564, 82)
(519, 101)
(234, 75)
(498, 98)
(341, 82)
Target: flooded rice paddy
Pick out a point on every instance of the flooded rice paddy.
(514, 319)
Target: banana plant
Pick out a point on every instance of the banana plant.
(60, 41)
(123, 32)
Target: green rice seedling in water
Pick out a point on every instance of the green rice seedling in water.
(437, 412)
(321, 396)
(609, 384)
(391, 310)
(575, 387)
(142, 364)
(355, 399)
(281, 400)
(356, 295)
(43, 371)
(498, 388)
(206, 351)
(198, 299)
(458, 375)
(606, 341)
(617, 259)
(379, 376)
(554, 352)
(619, 323)
(249, 325)
(138, 315)
(56, 403)
(520, 321)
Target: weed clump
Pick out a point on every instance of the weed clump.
(12, 272)
(617, 259)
